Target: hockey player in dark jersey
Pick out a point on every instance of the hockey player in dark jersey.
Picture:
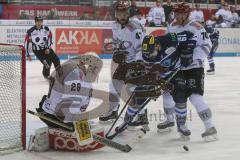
(161, 58)
(39, 40)
(194, 73)
(214, 36)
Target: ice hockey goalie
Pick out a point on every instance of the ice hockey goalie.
(69, 93)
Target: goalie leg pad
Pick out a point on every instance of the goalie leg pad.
(39, 141)
(67, 141)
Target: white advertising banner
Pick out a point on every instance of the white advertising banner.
(79, 23)
(229, 41)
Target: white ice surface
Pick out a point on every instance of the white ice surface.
(222, 94)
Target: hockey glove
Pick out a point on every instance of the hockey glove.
(120, 56)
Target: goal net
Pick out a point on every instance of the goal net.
(12, 98)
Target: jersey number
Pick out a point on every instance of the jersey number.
(75, 86)
(204, 35)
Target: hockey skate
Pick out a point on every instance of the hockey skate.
(210, 135)
(211, 71)
(165, 126)
(141, 120)
(184, 132)
(108, 117)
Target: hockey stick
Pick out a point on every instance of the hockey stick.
(110, 129)
(143, 105)
(99, 139)
(40, 115)
(174, 73)
(126, 123)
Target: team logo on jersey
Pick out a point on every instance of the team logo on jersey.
(47, 106)
(170, 50)
(191, 83)
(83, 108)
(182, 38)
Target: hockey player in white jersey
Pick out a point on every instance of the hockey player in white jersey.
(214, 36)
(194, 74)
(68, 95)
(235, 19)
(197, 14)
(224, 16)
(71, 92)
(156, 15)
(125, 31)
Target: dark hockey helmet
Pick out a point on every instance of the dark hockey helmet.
(149, 47)
(181, 8)
(38, 18)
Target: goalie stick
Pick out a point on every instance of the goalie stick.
(124, 148)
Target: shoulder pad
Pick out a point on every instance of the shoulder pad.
(133, 25)
(196, 25)
(31, 30)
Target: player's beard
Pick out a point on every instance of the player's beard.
(183, 20)
(123, 21)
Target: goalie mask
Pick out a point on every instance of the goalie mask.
(92, 65)
(150, 47)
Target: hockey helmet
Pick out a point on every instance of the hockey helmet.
(181, 8)
(38, 18)
(122, 5)
(122, 11)
(149, 47)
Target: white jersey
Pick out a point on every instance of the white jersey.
(235, 17)
(197, 15)
(157, 15)
(203, 45)
(226, 15)
(70, 93)
(132, 32)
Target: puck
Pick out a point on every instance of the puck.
(185, 148)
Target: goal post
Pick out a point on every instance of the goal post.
(12, 98)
